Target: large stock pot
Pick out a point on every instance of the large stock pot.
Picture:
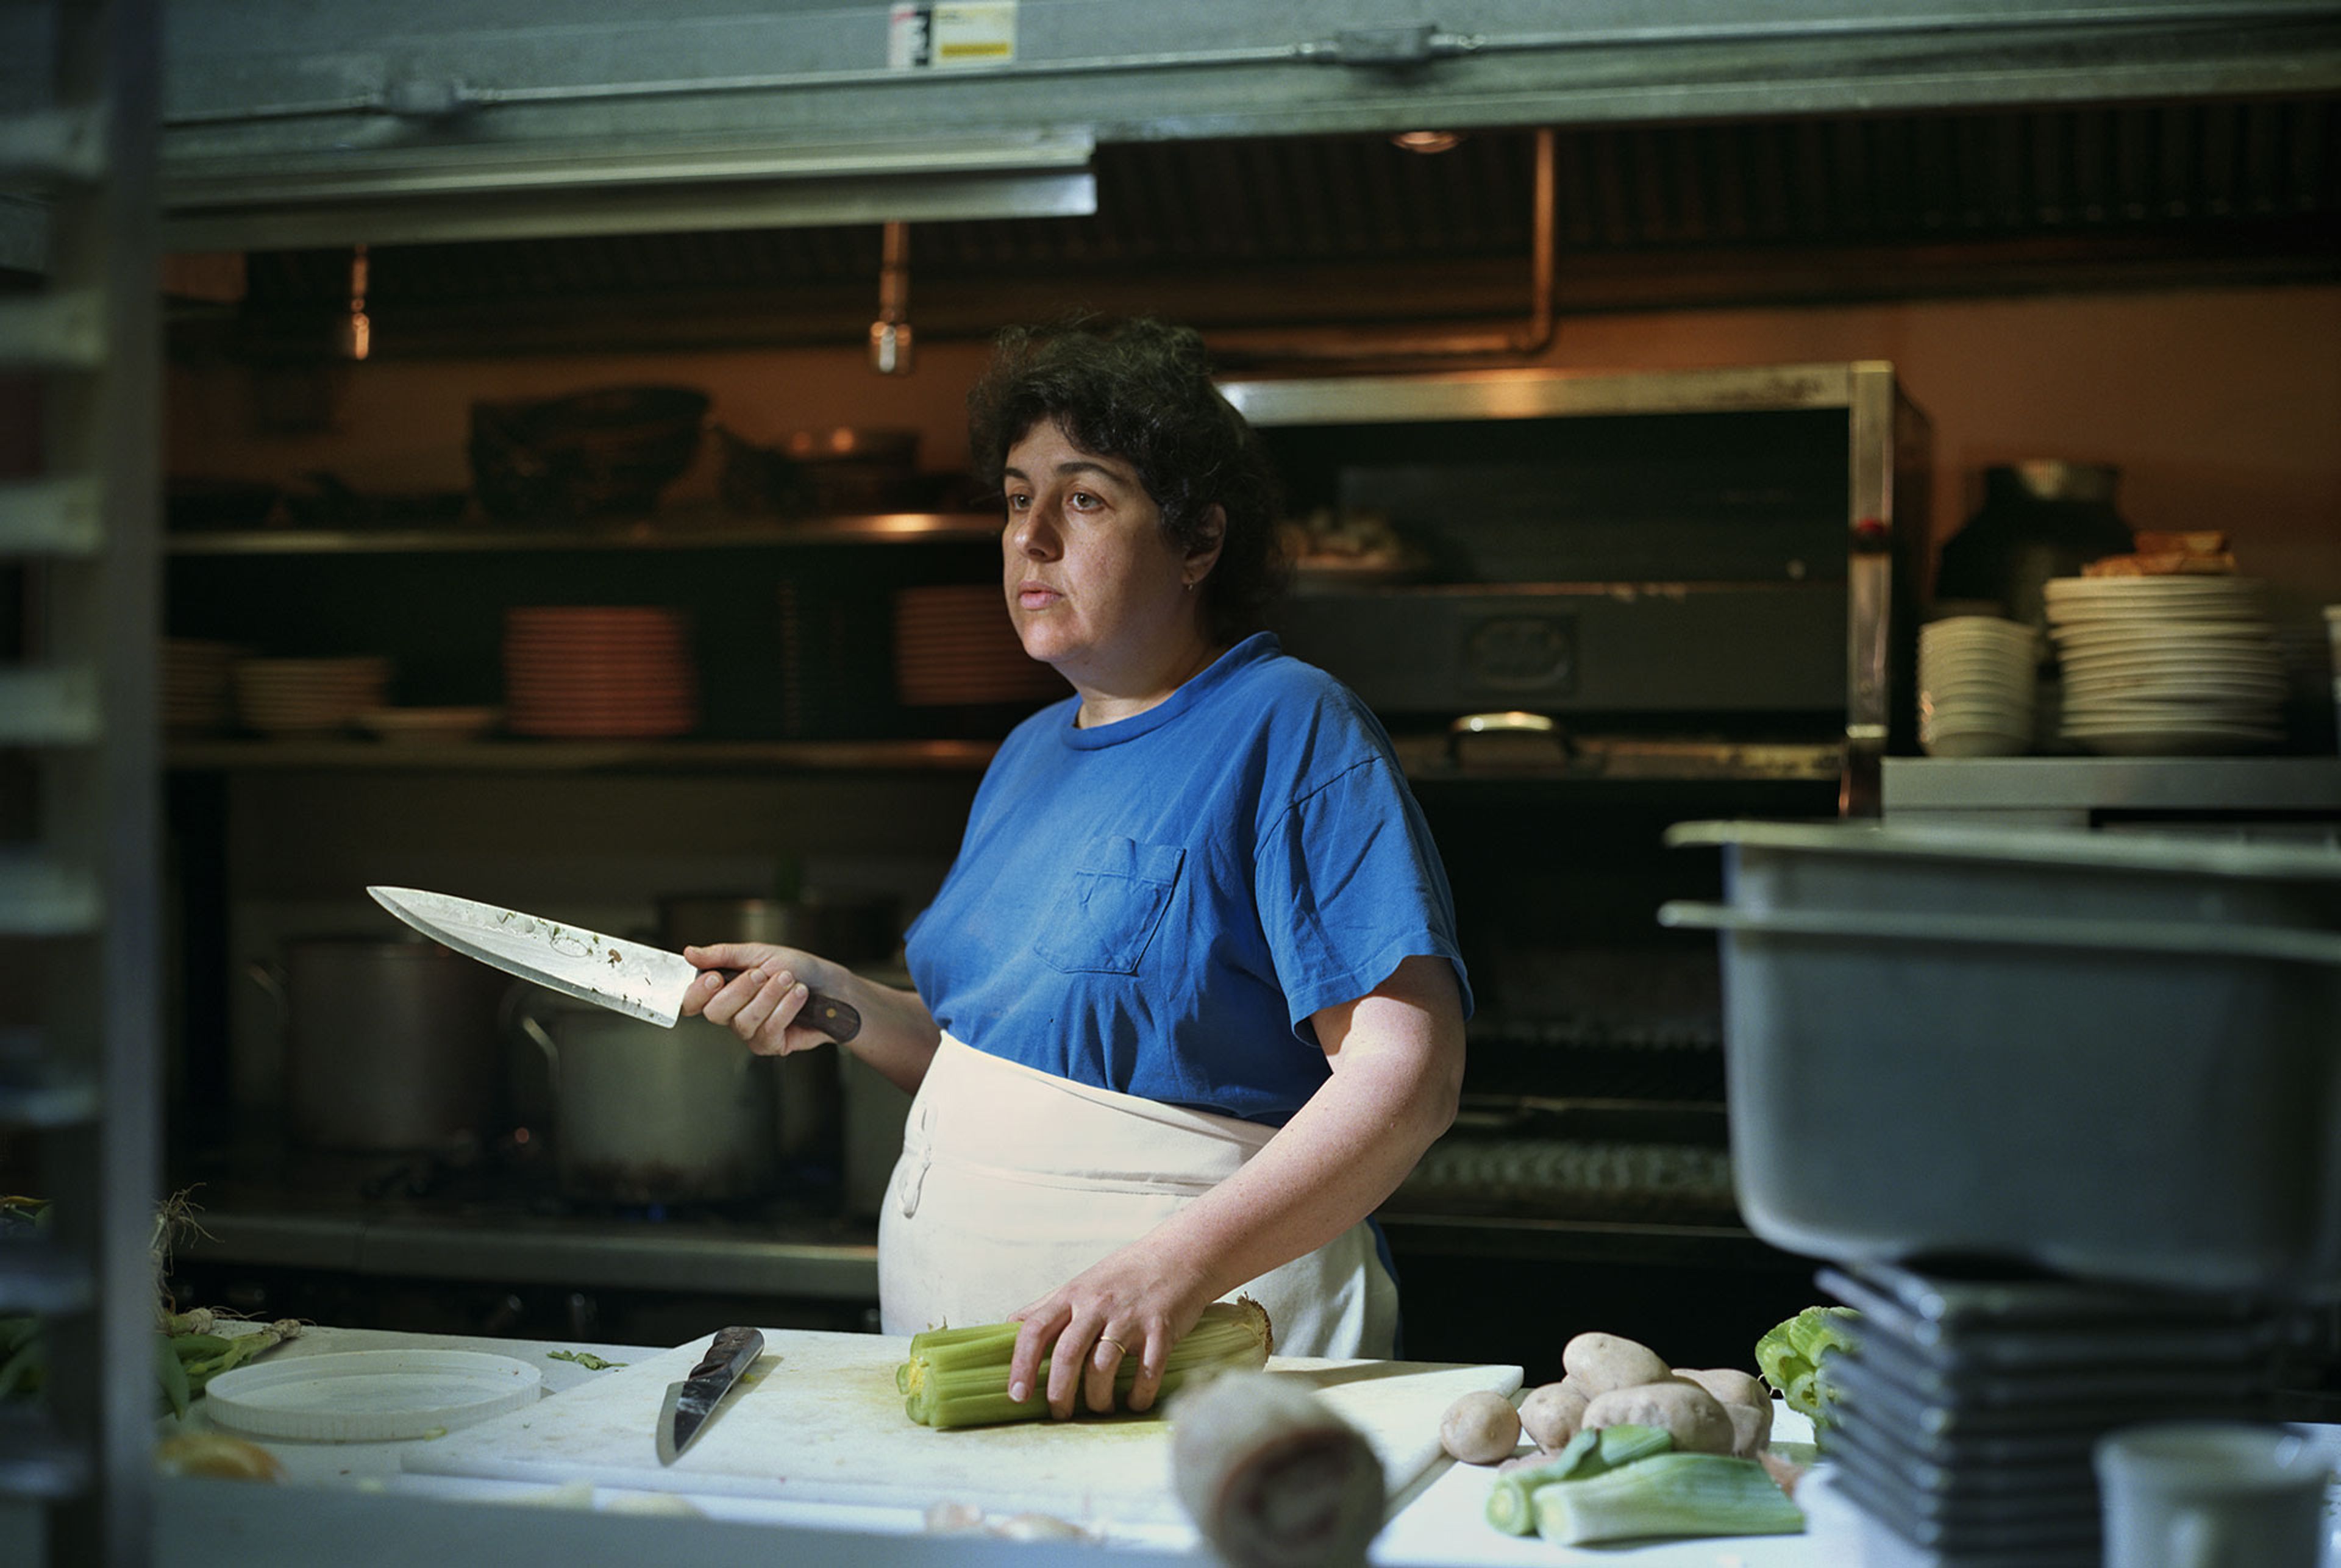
(388, 1045)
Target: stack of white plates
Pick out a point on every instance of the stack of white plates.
(292, 697)
(196, 678)
(1977, 678)
(955, 646)
(2166, 665)
(599, 671)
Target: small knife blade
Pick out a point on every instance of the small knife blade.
(690, 1403)
(629, 977)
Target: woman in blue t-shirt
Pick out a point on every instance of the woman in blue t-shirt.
(1189, 1005)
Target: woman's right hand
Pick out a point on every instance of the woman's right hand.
(760, 1001)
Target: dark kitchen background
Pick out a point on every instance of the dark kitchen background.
(1697, 319)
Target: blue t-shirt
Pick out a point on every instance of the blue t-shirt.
(1157, 905)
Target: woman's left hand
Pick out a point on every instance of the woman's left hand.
(1133, 1304)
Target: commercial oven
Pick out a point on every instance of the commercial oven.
(1735, 554)
(1587, 606)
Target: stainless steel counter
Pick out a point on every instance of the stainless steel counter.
(814, 1260)
(2073, 792)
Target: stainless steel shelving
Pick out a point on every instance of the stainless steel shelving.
(79, 901)
(677, 531)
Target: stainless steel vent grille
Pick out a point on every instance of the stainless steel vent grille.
(2262, 178)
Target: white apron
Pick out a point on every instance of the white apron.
(1012, 1181)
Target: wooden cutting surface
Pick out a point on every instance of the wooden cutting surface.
(817, 1420)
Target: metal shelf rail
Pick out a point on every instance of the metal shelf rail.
(79, 856)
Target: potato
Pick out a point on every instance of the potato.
(1751, 1429)
(1550, 1414)
(1744, 1399)
(1480, 1428)
(216, 1453)
(1693, 1417)
(1730, 1384)
(1599, 1363)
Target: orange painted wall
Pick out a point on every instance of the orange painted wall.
(2222, 407)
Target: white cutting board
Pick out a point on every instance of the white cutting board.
(817, 1420)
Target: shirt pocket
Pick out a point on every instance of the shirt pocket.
(1108, 913)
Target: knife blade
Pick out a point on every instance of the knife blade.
(629, 977)
(690, 1403)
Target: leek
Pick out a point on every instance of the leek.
(959, 1376)
(1511, 1498)
(1666, 1494)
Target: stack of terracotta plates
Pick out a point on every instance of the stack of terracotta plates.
(953, 646)
(196, 677)
(2166, 665)
(599, 671)
(301, 697)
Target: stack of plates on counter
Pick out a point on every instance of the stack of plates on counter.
(2178, 665)
(955, 646)
(196, 679)
(1977, 678)
(295, 697)
(1968, 1408)
(599, 671)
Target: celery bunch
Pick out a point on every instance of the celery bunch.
(1790, 1356)
(959, 1376)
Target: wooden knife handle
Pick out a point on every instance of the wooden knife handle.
(821, 1011)
(830, 1016)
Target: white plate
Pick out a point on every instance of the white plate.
(1975, 743)
(369, 1395)
(2169, 589)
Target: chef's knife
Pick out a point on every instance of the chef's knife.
(690, 1403)
(629, 977)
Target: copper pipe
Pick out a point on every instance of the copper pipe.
(890, 335)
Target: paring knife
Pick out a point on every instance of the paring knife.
(629, 977)
(690, 1403)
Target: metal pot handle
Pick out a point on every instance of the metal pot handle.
(514, 1017)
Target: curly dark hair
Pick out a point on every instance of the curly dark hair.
(1142, 392)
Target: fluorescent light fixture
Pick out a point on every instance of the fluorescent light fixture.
(476, 193)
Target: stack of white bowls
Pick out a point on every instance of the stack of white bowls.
(1978, 680)
(2166, 666)
(298, 697)
(2333, 638)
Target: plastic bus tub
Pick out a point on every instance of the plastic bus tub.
(1957, 869)
(2149, 1101)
